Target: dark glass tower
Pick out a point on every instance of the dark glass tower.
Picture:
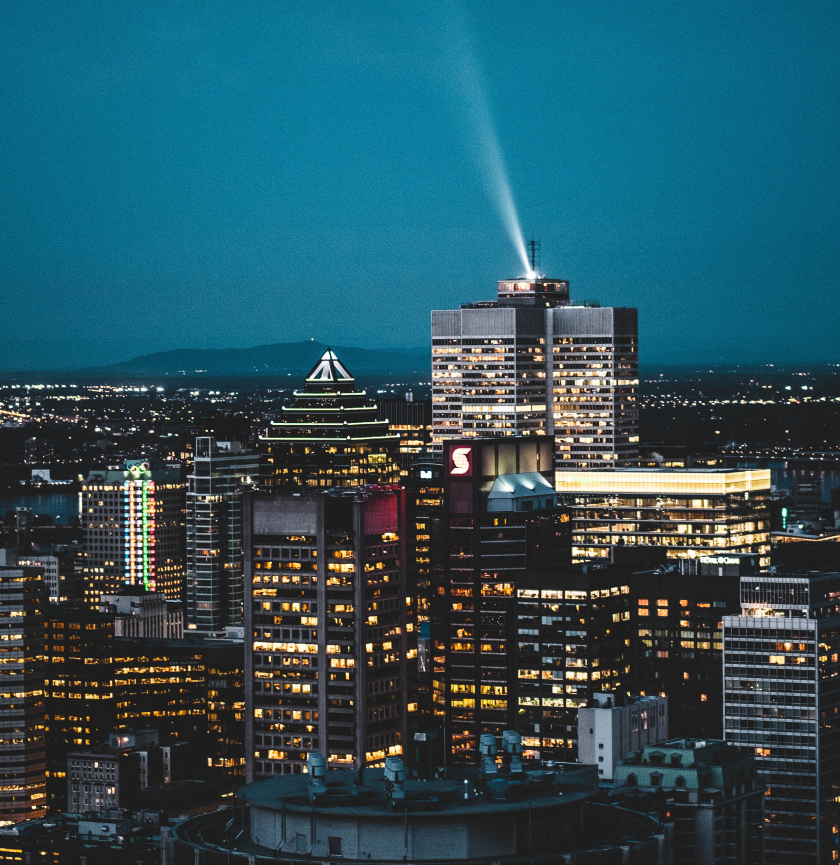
(330, 435)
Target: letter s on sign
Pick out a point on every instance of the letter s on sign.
(460, 461)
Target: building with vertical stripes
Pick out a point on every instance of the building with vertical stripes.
(532, 363)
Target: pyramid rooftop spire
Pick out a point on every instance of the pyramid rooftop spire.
(329, 370)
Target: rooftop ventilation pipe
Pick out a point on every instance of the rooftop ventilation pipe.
(395, 775)
(317, 775)
(487, 748)
(512, 743)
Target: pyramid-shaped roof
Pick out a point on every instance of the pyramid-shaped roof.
(329, 370)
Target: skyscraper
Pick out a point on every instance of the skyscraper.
(330, 435)
(23, 602)
(81, 701)
(222, 471)
(330, 624)
(529, 363)
(133, 521)
(500, 519)
(781, 699)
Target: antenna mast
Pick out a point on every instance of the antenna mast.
(534, 253)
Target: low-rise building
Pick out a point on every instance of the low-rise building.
(479, 816)
(712, 792)
(615, 725)
(109, 837)
(113, 775)
(144, 614)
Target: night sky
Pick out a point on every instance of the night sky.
(225, 174)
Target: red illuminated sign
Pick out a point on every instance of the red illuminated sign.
(460, 461)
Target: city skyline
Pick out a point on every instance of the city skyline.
(681, 161)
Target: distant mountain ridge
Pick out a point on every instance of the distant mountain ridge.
(295, 358)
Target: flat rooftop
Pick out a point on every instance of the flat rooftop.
(435, 798)
(707, 481)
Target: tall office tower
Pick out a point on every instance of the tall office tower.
(161, 684)
(676, 648)
(81, 703)
(224, 671)
(424, 509)
(330, 621)
(23, 602)
(571, 643)
(500, 519)
(689, 512)
(587, 628)
(781, 698)
(222, 471)
(133, 522)
(529, 363)
(330, 435)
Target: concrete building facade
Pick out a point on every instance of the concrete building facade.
(325, 817)
(529, 363)
(781, 700)
(713, 794)
(615, 725)
(331, 654)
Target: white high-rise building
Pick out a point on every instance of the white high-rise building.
(531, 363)
(781, 662)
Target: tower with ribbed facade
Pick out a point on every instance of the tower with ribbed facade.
(531, 362)
(330, 436)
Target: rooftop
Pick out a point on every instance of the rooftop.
(708, 481)
(435, 798)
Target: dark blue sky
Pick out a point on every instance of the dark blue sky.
(219, 174)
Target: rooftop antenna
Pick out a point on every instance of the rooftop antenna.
(534, 254)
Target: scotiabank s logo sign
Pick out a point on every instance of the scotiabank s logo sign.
(461, 461)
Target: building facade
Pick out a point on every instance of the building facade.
(386, 818)
(81, 701)
(133, 522)
(693, 512)
(330, 435)
(424, 509)
(529, 363)
(332, 651)
(714, 795)
(614, 725)
(500, 520)
(222, 471)
(411, 419)
(782, 700)
(571, 643)
(59, 573)
(23, 602)
(676, 637)
(143, 614)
